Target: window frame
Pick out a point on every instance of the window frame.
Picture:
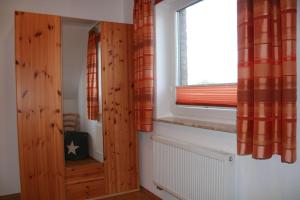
(166, 62)
(204, 98)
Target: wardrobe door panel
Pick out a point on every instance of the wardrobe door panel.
(38, 85)
(120, 139)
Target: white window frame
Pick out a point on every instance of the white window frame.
(166, 52)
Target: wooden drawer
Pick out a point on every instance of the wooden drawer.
(86, 190)
(83, 172)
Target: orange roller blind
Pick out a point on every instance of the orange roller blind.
(212, 95)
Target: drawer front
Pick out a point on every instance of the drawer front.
(82, 169)
(77, 174)
(86, 190)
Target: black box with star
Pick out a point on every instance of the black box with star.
(76, 145)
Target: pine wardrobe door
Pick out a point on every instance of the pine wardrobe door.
(120, 138)
(38, 85)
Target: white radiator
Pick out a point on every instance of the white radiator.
(191, 172)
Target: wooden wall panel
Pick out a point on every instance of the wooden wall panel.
(38, 80)
(120, 139)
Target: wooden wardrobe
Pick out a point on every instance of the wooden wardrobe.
(39, 107)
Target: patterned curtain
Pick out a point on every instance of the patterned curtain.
(92, 77)
(143, 64)
(266, 111)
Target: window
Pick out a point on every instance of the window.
(207, 53)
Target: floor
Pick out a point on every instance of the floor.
(11, 197)
(140, 195)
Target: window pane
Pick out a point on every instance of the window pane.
(208, 43)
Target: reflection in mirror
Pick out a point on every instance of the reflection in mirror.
(83, 137)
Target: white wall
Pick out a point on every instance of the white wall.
(74, 51)
(105, 10)
(93, 127)
(255, 179)
(70, 105)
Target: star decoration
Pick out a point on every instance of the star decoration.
(72, 148)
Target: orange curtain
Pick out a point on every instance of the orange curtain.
(210, 95)
(92, 77)
(143, 64)
(266, 111)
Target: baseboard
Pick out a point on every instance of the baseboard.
(11, 197)
(96, 155)
(99, 156)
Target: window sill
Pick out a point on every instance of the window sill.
(229, 128)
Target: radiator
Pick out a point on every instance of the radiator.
(192, 172)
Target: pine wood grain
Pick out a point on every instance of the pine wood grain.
(120, 139)
(83, 171)
(86, 190)
(38, 87)
(84, 179)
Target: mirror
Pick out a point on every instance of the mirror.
(83, 137)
